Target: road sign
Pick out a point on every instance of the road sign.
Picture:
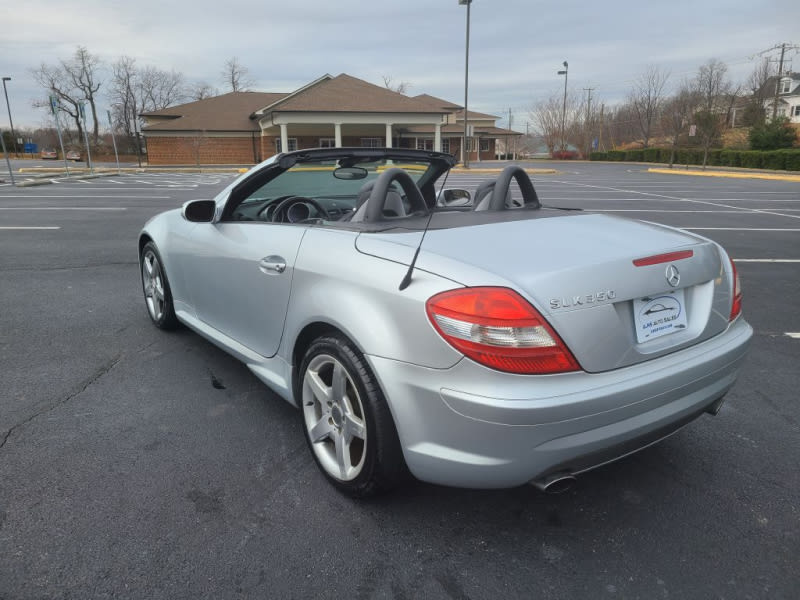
(30, 148)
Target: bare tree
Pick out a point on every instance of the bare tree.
(677, 114)
(125, 100)
(201, 90)
(160, 89)
(59, 84)
(235, 76)
(755, 111)
(546, 118)
(401, 87)
(646, 99)
(715, 97)
(620, 125)
(82, 71)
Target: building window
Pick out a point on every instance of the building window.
(786, 86)
(446, 145)
(327, 142)
(424, 144)
(797, 111)
(484, 144)
(372, 142)
(292, 145)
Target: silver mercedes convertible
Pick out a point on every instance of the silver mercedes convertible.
(478, 340)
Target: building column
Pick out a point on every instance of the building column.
(284, 138)
(437, 138)
(337, 127)
(478, 148)
(388, 135)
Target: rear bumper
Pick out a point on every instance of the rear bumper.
(511, 429)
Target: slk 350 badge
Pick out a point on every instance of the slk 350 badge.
(583, 299)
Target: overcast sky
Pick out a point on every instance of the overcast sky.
(516, 46)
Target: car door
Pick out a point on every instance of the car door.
(239, 276)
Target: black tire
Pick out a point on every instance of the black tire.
(155, 286)
(371, 461)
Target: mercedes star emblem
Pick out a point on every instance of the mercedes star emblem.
(673, 276)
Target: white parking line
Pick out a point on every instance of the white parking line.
(735, 229)
(793, 335)
(84, 196)
(666, 210)
(26, 228)
(756, 210)
(89, 208)
(766, 260)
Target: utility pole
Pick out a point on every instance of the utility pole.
(465, 147)
(565, 73)
(784, 46)
(778, 82)
(587, 124)
(602, 124)
(509, 135)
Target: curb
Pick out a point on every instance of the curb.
(482, 170)
(33, 182)
(728, 174)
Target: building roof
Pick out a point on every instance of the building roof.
(228, 112)
(458, 130)
(345, 93)
(475, 115)
(768, 90)
(438, 102)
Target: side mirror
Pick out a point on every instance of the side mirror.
(455, 197)
(199, 211)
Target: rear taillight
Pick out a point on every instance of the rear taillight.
(498, 328)
(736, 306)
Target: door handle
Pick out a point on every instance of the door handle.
(272, 264)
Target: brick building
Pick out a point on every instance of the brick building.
(248, 127)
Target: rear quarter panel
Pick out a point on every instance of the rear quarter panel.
(333, 283)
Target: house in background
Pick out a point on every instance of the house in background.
(248, 127)
(786, 90)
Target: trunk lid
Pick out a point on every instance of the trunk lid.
(578, 271)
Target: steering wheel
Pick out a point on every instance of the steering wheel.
(377, 198)
(502, 185)
(283, 211)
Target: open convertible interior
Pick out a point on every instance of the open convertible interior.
(381, 189)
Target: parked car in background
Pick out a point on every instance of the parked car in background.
(74, 155)
(48, 153)
(480, 344)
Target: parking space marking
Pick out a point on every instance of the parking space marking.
(767, 260)
(26, 228)
(89, 208)
(793, 335)
(666, 210)
(663, 196)
(737, 228)
(84, 196)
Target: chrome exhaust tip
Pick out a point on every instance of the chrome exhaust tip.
(558, 483)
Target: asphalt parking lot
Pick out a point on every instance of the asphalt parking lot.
(140, 464)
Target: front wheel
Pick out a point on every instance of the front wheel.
(157, 293)
(348, 425)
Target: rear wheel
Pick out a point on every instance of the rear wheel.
(157, 294)
(348, 425)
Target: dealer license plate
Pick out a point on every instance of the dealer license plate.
(659, 315)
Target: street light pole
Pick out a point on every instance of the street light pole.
(565, 73)
(8, 106)
(464, 146)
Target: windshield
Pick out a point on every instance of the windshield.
(324, 179)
